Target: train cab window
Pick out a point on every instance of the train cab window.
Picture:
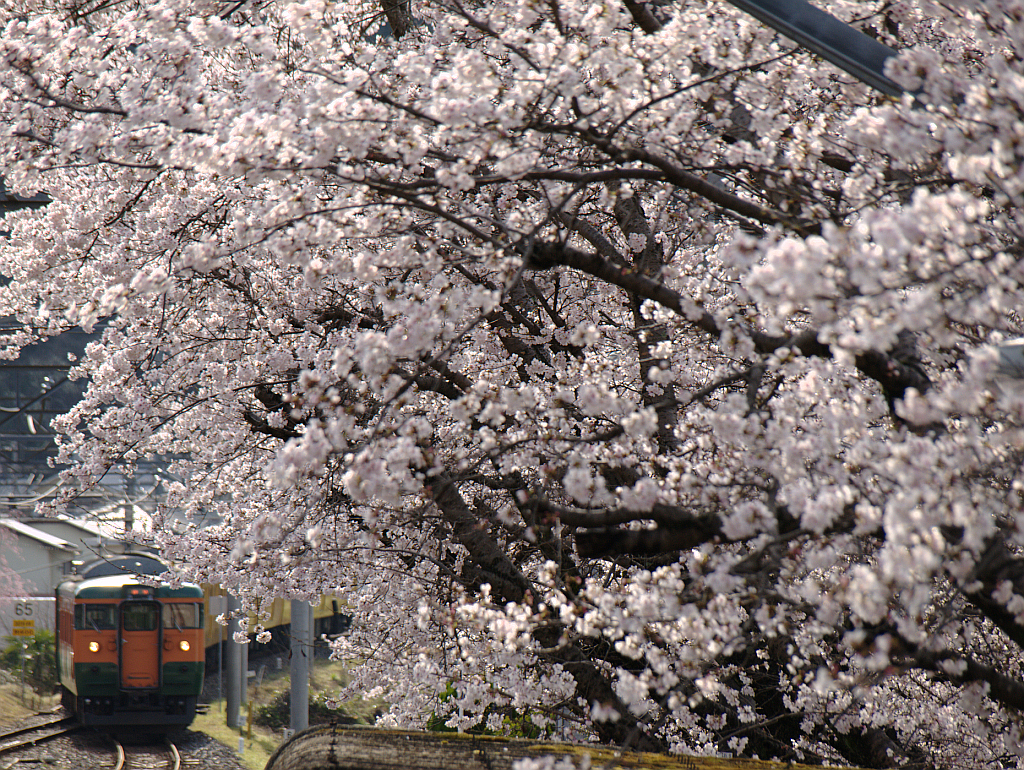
(140, 617)
(98, 617)
(181, 616)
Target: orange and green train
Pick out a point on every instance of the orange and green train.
(128, 653)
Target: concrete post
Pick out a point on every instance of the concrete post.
(234, 667)
(302, 654)
(244, 695)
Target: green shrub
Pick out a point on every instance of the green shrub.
(276, 715)
(40, 659)
(514, 724)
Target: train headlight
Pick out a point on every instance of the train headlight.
(94, 646)
(185, 646)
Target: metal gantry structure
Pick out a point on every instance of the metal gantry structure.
(34, 389)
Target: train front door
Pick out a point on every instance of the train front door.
(140, 645)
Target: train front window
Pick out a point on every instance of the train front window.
(98, 617)
(182, 616)
(140, 617)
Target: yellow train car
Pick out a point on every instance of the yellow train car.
(328, 616)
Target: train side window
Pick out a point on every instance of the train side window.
(98, 617)
(140, 617)
(181, 616)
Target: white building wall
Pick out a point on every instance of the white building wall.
(34, 556)
(39, 609)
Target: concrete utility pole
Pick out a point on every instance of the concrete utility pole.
(1011, 359)
(302, 655)
(831, 39)
(243, 651)
(128, 507)
(234, 666)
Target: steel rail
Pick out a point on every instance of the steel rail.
(10, 740)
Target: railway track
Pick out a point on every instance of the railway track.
(162, 756)
(25, 737)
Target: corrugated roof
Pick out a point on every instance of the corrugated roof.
(87, 527)
(24, 530)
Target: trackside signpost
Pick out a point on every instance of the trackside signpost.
(23, 627)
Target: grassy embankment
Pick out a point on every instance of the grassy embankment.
(326, 678)
(13, 708)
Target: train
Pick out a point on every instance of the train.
(329, 619)
(133, 652)
(130, 653)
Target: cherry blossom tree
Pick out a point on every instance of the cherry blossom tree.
(11, 583)
(628, 370)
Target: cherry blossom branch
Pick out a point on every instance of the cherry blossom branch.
(262, 426)
(997, 569)
(460, 382)
(672, 173)
(644, 542)
(434, 384)
(494, 565)
(592, 686)
(662, 514)
(399, 16)
(642, 16)
(490, 32)
(963, 670)
(894, 377)
(58, 101)
(87, 162)
(520, 319)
